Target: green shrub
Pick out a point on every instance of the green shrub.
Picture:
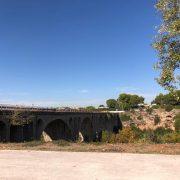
(125, 117)
(105, 136)
(155, 136)
(171, 138)
(138, 132)
(168, 108)
(160, 131)
(150, 136)
(108, 137)
(155, 107)
(177, 122)
(127, 135)
(149, 110)
(134, 134)
(157, 120)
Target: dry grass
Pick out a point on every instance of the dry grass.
(94, 147)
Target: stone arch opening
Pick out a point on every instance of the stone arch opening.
(57, 130)
(87, 130)
(16, 133)
(2, 131)
(21, 132)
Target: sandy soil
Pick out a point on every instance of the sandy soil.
(40, 165)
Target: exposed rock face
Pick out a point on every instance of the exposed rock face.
(146, 120)
(45, 137)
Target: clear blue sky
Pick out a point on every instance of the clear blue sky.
(76, 52)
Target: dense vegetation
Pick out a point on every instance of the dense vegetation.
(112, 104)
(131, 101)
(168, 101)
(134, 135)
(177, 122)
(125, 102)
(21, 117)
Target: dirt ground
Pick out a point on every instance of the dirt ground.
(46, 165)
(142, 148)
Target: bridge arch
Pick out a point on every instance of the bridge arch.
(58, 129)
(87, 129)
(3, 131)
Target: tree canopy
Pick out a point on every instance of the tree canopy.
(90, 108)
(167, 99)
(168, 45)
(128, 101)
(111, 103)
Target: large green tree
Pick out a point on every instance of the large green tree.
(111, 103)
(168, 45)
(128, 101)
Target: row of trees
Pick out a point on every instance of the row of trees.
(168, 99)
(125, 102)
(129, 101)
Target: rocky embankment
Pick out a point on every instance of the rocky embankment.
(145, 119)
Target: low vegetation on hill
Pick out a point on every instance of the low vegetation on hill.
(135, 135)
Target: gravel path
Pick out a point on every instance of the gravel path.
(87, 166)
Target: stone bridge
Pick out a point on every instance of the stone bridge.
(59, 125)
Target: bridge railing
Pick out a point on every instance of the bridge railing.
(24, 108)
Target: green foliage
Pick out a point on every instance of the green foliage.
(105, 136)
(171, 138)
(125, 117)
(167, 43)
(157, 120)
(177, 122)
(149, 136)
(127, 135)
(170, 99)
(159, 135)
(21, 117)
(128, 101)
(138, 132)
(149, 110)
(111, 103)
(155, 107)
(168, 108)
(159, 99)
(90, 108)
(133, 134)
(162, 131)
(108, 137)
